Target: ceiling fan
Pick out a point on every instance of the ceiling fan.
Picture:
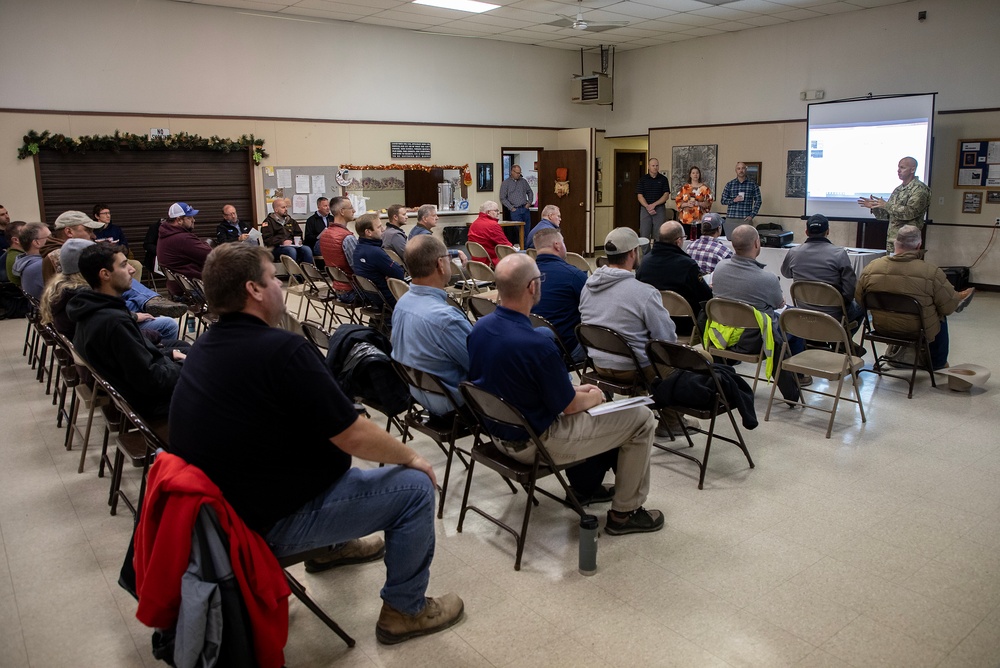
(580, 23)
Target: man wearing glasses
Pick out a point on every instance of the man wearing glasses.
(486, 231)
(516, 195)
(534, 380)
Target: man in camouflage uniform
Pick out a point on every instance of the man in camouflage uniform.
(906, 205)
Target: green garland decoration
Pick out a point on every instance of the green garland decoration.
(126, 141)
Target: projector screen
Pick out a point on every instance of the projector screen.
(854, 146)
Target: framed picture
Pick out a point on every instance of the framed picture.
(993, 196)
(753, 171)
(484, 177)
(972, 202)
(969, 159)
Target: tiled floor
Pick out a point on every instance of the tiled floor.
(879, 547)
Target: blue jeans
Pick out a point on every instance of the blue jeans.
(137, 296)
(939, 347)
(523, 214)
(394, 499)
(300, 254)
(167, 327)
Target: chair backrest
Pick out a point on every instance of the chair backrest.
(578, 261)
(602, 261)
(678, 307)
(314, 278)
(316, 335)
(503, 251)
(454, 302)
(337, 274)
(815, 294)
(397, 287)
(491, 411)
(394, 256)
(476, 249)
(424, 381)
(480, 306)
(595, 337)
(666, 356)
(291, 266)
(903, 308)
(369, 291)
(813, 326)
(480, 271)
(533, 252)
(731, 313)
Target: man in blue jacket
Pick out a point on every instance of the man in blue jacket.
(370, 261)
(560, 300)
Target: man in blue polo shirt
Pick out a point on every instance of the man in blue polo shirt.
(560, 300)
(370, 260)
(535, 381)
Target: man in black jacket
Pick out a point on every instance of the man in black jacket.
(108, 338)
(316, 223)
(668, 267)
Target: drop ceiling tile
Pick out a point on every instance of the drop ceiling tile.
(702, 32)
(394, 21)
(764, 20)
(721, 13)
(675, 5)
(323, 14)
(497, 21)
(758, 6)
(732, 26)
(798, 14)
(639, 10)
(520, 15)
(834, 8)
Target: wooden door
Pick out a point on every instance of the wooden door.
(572, 206)
(629, 166)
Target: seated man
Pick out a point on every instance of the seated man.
(68, 225)
(614, 298)
(108, 337)
(394, 237)
(707, 250)
(819, 260)
(337, 244)
(427, 220)
(109, 232)
(179, 249)
(232, 229)
(744, 279)
(522, 365)
(27, 268)
(370, 259)
(486, 230)
(668, 267)
(560, 300)
(279, 231)
(15, 250)
(551, 219)
(906, 273)
(428, 333)
(316, 223)
(297, 487)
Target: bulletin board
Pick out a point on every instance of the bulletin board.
(978, 163)
(289, 181)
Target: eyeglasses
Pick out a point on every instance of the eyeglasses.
(540, 278)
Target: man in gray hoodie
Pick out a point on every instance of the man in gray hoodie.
(614, 298)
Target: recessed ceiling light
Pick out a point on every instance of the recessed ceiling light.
(461, 5)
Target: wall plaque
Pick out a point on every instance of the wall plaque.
(418, 150)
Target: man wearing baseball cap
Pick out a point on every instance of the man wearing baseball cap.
(614, 298)
(707, 250)
(68, 225)
(818, 259)
(179, 248)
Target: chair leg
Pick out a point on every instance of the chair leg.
(857, 395)
(300, 593)
(447, 476)
(116, 481)
(86, 433)
(465, 496)
(521, 537)
(74, 413)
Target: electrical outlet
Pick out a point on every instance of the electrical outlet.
(997, 222)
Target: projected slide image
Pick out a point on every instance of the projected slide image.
(848, 162)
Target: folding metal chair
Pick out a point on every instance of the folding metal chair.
(884, 308)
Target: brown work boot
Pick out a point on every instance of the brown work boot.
(439, 613)
(158, 306)
(357, 551)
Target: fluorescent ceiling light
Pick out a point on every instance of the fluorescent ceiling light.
(461, 5)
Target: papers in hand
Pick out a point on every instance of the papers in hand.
(620, 405)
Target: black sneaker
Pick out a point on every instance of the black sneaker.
(602, 495)
(639, 520)
(970, 293)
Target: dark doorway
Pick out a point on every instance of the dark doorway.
(629, 166)
(572, 206)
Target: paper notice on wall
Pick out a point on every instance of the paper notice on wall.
(970, 146)
(312, 200)
(993, 176)
(284, 178)
(269, 171)
(993, 152)
(302, 183)
(970, 177)
(299, 204)
(318, 184)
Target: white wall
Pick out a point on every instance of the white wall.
(170, 58)
(756, 75)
